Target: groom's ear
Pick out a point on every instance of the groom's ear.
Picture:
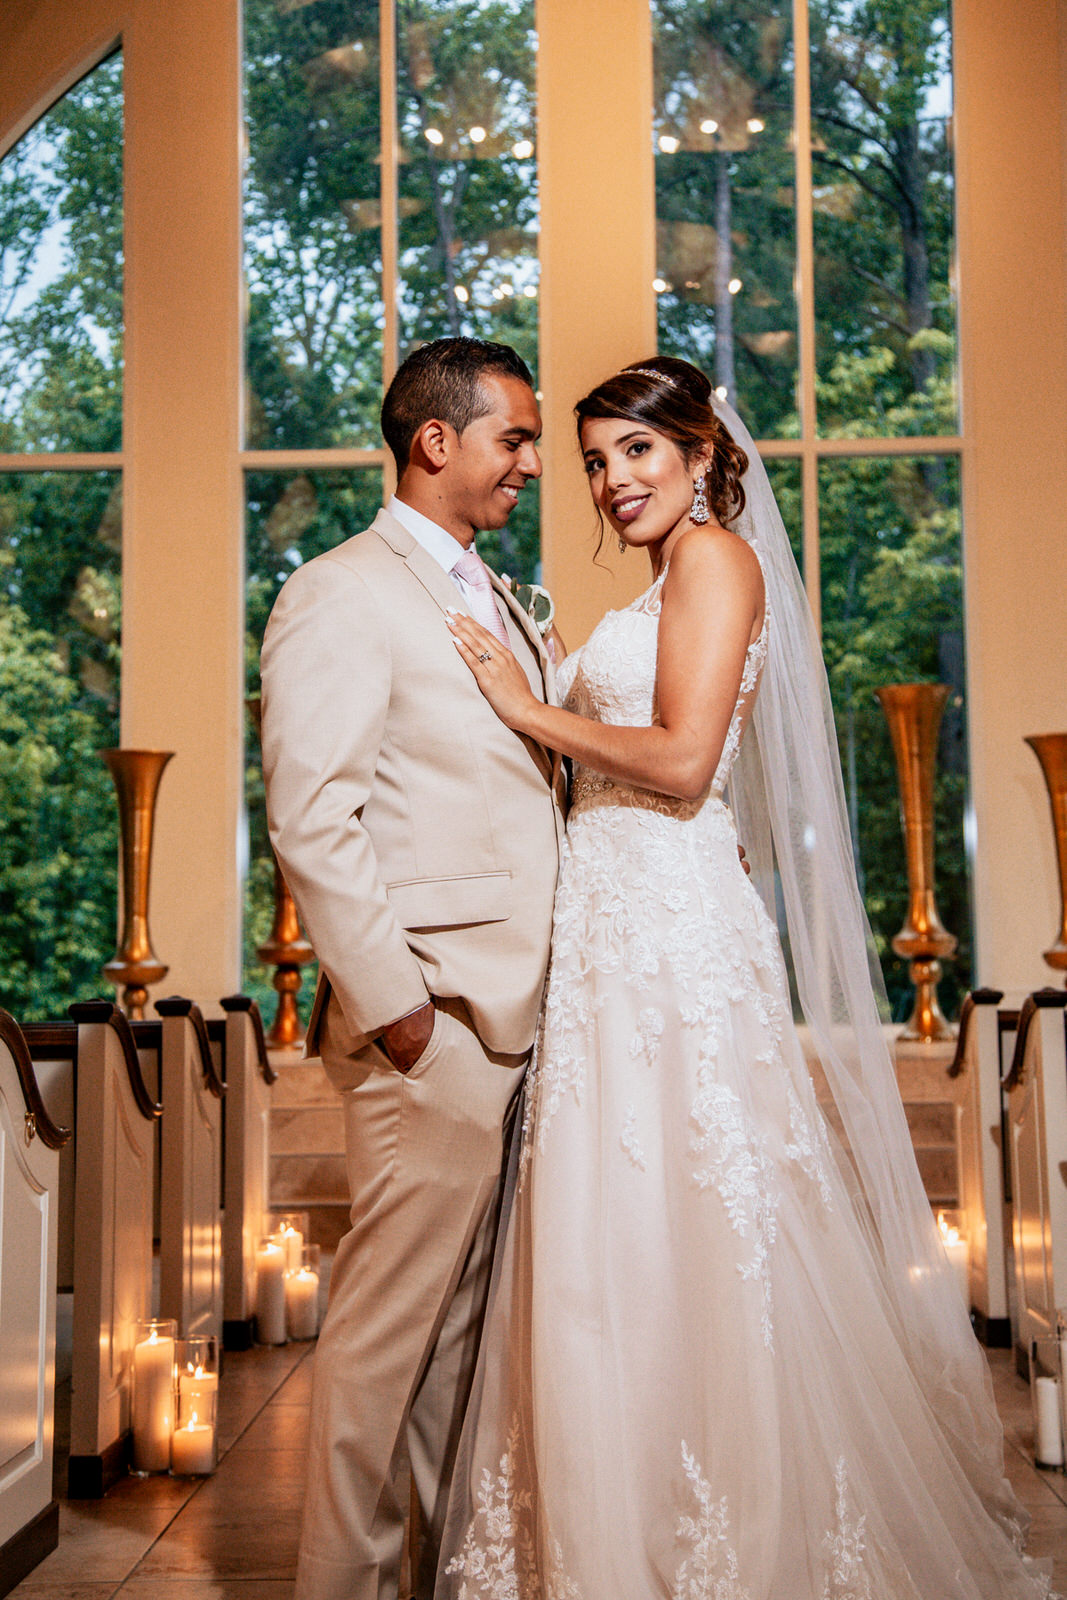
(433, 445)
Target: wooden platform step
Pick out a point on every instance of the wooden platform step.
(307, 1163)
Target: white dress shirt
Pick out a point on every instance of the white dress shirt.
(445, 549)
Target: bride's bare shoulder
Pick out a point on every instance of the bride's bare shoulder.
(715, 555)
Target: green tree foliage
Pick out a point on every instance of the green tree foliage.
(889, 529)
(468, 249)
(60, 548)
(725, 199)
(884, 191)
(57, 864)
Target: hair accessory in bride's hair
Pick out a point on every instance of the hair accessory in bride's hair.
(648, 372)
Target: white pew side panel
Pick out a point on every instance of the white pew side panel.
(190, 1219)
(1037, 1102)
(115, 1141)
(977, 1068)
(29, 1183)
(246, 1203)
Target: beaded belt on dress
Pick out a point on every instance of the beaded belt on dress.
(591, 789)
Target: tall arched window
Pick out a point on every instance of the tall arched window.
(805, 233)
(61, 361)
(391, 197)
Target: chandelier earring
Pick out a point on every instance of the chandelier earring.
(700, 511)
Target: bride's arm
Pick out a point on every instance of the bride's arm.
(711, 607)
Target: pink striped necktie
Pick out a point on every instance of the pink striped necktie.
(474, 572)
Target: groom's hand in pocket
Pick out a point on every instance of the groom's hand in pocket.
(404, 1040)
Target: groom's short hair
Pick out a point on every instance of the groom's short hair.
(442, 380)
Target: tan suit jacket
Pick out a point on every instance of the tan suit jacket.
(418, 834)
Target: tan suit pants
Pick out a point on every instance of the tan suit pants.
(398, 1343)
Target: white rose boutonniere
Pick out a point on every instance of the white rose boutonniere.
(535, 601)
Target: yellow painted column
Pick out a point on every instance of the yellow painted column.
(183, 580)
(1012, 280)
(598, 260)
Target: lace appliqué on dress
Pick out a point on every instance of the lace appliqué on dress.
(734, 1161)
(630, 1142)
(808, 1144)
(846, 1547)
(647, 1035)
(502, 1564)
(709, 1569)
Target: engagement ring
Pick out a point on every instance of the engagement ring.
(486, 655)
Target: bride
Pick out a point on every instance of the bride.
(724, 1357)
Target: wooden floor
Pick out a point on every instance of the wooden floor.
(233, 1536)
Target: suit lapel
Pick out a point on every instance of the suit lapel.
(420, 563)
(532, 632)
(445, 594)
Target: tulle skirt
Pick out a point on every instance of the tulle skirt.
(692, 1381)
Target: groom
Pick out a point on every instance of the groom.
(420, 838)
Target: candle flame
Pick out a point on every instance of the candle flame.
(949, 1235)
(192, 1422)
(199, 1373)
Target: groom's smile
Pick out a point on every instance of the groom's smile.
(494, 458)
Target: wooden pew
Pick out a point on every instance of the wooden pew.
(242, 1051)
(93, 1063)
(1036, 1087)
(190, 1221)
(978, 1069)
(30, 1142)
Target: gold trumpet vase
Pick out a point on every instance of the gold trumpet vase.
(287, 951)
(913, 711)
(136, 775)
(286, 948)
(1051, 750)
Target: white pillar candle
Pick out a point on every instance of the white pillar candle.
(292, 1241)
(1048, 1448)
(193, 1448)
(302, 1303)
(153, 1402)
(959, 1255)
(197, 1386)
(270, 1292)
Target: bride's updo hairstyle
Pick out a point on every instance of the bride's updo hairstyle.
(674, 397)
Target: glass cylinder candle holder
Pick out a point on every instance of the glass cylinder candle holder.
(271, 1257)
(292, 1228)
(196, 1362)
(302, 1295)
(1046, 1391)
(194, 1442)
(152, 1409)
(950, 1227)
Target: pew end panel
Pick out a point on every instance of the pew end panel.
(1036, 1088)
(115, 1145)
(246, 1202)
(190, 1221)
(30, 1145)
(53, 1048)
(976, 1070)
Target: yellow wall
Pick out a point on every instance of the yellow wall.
(1013, 294)
(598, 260)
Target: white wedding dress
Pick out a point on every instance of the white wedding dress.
(692, 1384)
